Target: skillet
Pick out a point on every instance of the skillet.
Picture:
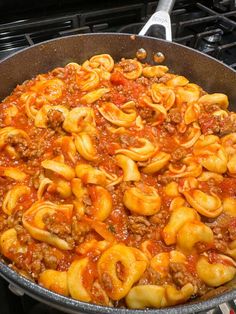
(203, 70)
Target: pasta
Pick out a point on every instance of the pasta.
(118, 184)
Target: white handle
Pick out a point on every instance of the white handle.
(161, 17)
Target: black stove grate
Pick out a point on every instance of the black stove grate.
(208, 29)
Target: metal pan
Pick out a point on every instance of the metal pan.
(209, 73)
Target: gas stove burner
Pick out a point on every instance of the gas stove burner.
(216, 38)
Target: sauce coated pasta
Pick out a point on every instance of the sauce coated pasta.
(118, 184)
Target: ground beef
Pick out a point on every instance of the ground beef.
(128, 140)
(54, 225)
(169, 127)
(146, 114)
(106, 282)
(22, 234)
(208, 124)
(143, 80)
(232, 233)
(127, 66)
(217, 125)
(50, 260)
(228, 125)
(181, 277)
(15, 219)
(78, 230)
(23, 148)
(210, 108)
(99, 295)
(57, 151)
(32, 262)
(152, 277)
(138, 225)
(160, 218)
(166, 77)
(55, 119)
(174, 115)
(164, 180)
(3, 222)
(220, 245)
(178, 154)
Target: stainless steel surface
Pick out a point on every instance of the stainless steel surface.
(165, 5)
(160, 18)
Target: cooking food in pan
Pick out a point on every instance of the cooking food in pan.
(118, 184)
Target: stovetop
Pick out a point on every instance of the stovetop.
(209, 26)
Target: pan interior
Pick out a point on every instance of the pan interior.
(205, 71)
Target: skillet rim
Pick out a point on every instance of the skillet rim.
(122, 35)
(71, 305)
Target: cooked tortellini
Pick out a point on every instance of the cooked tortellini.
(191, 233)
(121, 281)
(157, 70)
(50, 89)
(11, 133)
(189, 93)
(177, 80)
(158, 161)
(190, 168)
(229, 206)
(75, 280)
(90, 175)
(192, 135)
(122, 118)
(162, 94)
(59, 168)
(161, 262)
(117, 184)
(13, 173)
(192, 113)
(131, 69)
(129, 167)
(41, 118)
(216, 273)
(144, 200)
(85, 146)
(93, 96)
(10, 242)
(207, 205)
(13, 196)
(80, 119)
(215, 99)
(141, 296)
(34, 222)
(211, 154)
(55, 280)
(146, 151)
(101, 202)
(104, 62)
(87, 79)
(178, 218)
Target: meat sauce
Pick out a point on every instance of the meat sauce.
(164, 130)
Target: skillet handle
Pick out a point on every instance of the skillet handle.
(165, 5)
(161, 18)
